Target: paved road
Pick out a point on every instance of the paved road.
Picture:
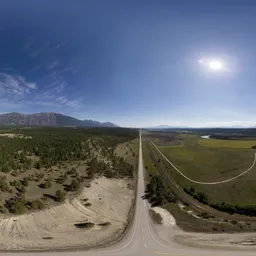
(141, 240)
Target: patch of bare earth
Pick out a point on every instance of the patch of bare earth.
(169, 232)
(15, 135)
(97, 216)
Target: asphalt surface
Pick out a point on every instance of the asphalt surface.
(141, 239)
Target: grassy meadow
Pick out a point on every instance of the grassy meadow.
(210, 160)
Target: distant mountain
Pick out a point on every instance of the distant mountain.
(48, 119)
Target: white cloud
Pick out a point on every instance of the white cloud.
(72, 69)
(32, 85)
(14, 88)
(230, 124)
(14, 85)
(70, 103)
(61, 101)
(74, 103)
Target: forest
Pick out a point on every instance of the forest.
(54, 162)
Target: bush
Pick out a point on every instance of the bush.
(16, 205)
(47, 184)
(4, 184)
(60, 195)
(72, 171)
(156, 216)
(74, 185)
(37, 165)
(234, 222)
(36, 205)
(25, 181)
(21, 189)
(157, 194)
(205, 215)
(2, 209)
(62, 179)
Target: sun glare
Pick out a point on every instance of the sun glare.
(215, 65)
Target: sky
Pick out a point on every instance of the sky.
(134, 63)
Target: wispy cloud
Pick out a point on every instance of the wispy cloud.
(72, 69)
(61, 101)
(53, 65)
(231, 123)
(54, 94)
(14, 86)
(70, 103)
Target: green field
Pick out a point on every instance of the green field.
(210, 160)
(148, 163)
(237, 144)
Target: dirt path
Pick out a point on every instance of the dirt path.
(54, 228)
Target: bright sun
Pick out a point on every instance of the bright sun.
(215, 65)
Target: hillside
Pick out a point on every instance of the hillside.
(48, 119)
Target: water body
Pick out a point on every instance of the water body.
(205, 137)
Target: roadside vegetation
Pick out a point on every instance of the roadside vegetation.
(47, 165)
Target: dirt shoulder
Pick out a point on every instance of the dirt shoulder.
(171, 233)
(98, 215)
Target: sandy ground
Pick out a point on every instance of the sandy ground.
(54, 227)
(167, 219)
(169, 231)
(15, 135)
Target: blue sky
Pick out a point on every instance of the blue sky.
(134, 63)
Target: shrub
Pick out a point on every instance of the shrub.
(16, 205)
(205, 215)
(2, 209)
(21, 189)
(36, 205)
(234, 222)
(74, 185)
(156, 216)
(60, 195)
(4, 185)
(72, 171)
(37, 165)
(25, 181)
(47, 184)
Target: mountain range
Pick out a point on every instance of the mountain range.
(48, 119)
